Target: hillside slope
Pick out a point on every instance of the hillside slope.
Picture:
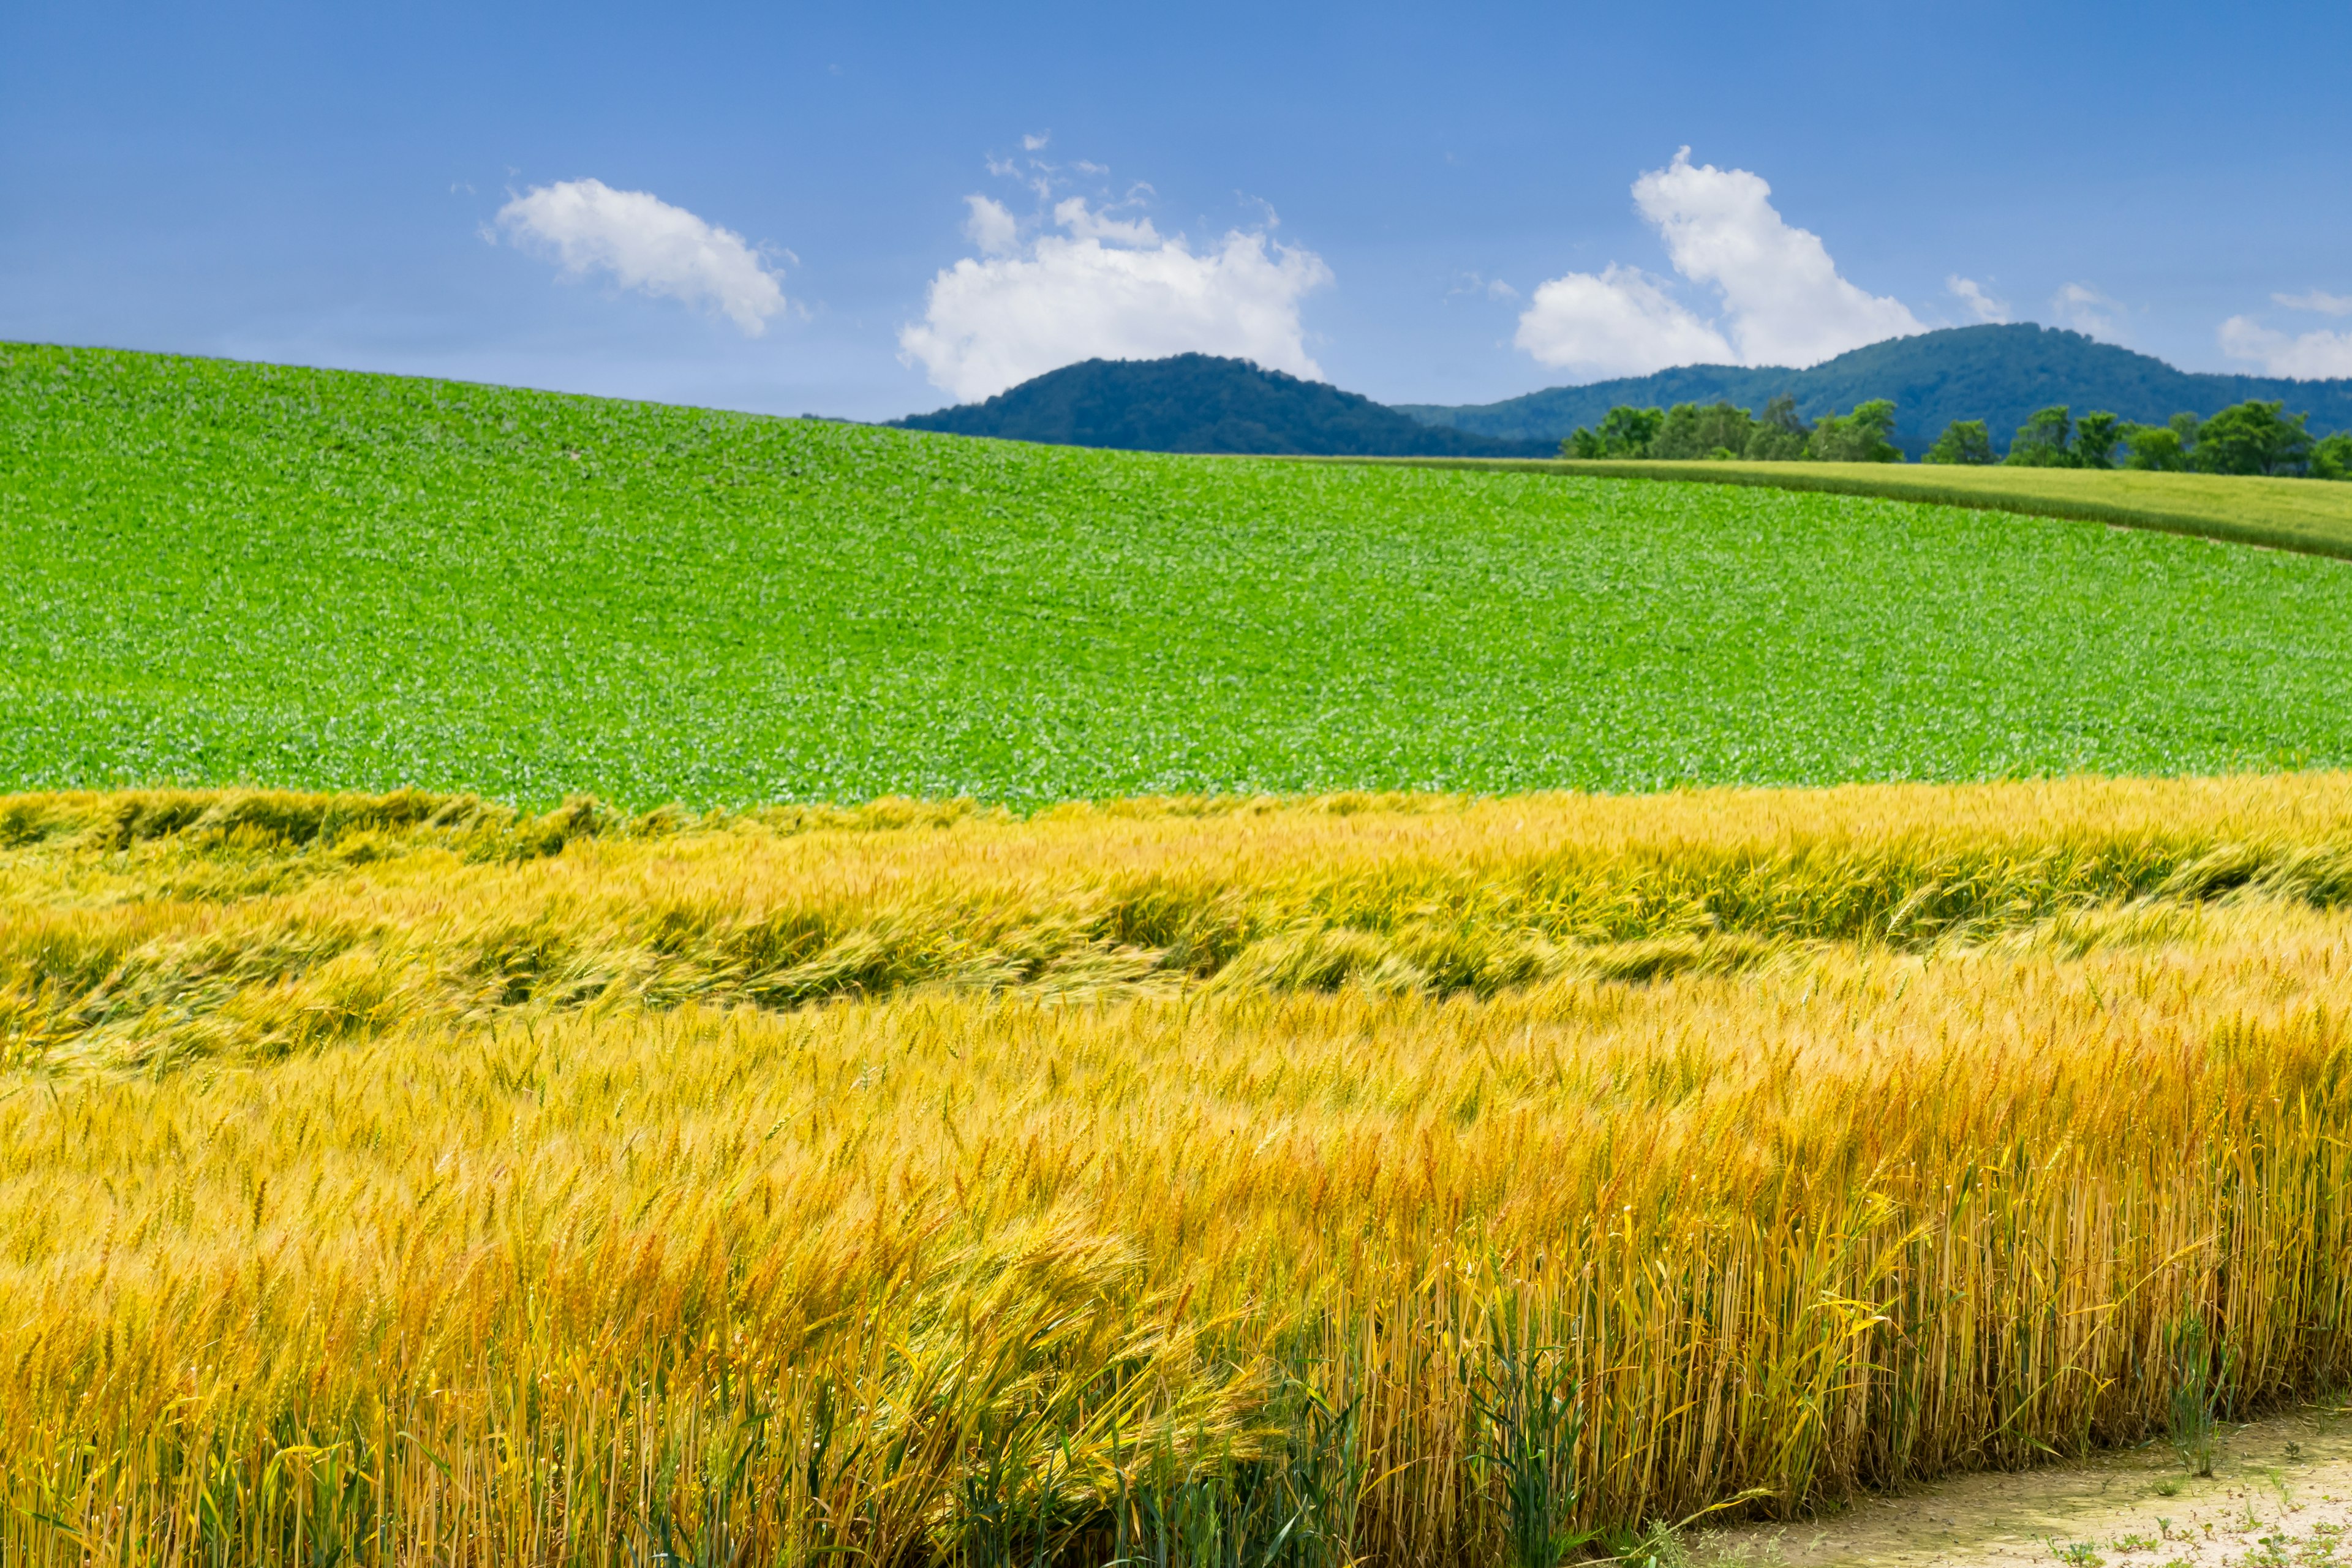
(1199, 403)
(225, 573)
(1996, 374)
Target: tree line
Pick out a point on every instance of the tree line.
(2250, 437)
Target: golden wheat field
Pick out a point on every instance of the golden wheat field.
(1382, 1180)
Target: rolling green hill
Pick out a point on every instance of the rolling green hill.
(1199, 403)
(1996, 374)
(224, 572)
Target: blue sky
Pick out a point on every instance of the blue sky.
(1377, 194)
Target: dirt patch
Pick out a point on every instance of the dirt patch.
(2280, 1497)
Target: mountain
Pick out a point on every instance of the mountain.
(1998, 374)
(1199, 403)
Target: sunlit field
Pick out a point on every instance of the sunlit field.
(234, 574)
(1394, 1179)
(2310, 516)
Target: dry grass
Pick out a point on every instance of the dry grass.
(1246, 1183)
(2311, 517)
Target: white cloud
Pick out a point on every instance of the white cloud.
(1783, 300)
(1036, 141)
(1109, 289)
(1476, 283)
(2314, 356)
(2086, 310)
(1969, 292)
(1619, 324)
(992, 226)
(1072, 216)
(2325, 304)
(1786, 302)
(645, 243)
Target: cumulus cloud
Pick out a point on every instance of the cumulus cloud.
(645, 243)
(1969, 292)
(1619, 324)
(2325, 304)
(992, 226)
(1786, 302)
(1782, 301)
(2312, 356)
(2086, 310)
(1095, 286)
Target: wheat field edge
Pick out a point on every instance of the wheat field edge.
(1398, 1180)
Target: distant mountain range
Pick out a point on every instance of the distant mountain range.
(1998, 374)
(1199, 403)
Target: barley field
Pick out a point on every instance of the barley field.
(1401, 1179)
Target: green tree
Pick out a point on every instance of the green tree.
(1692, 431)
(1963, 441)
(2044, 441)
(2331, 457)
(1861, 436)
(1781, 434)
(2186, 426)
(2095, 439)
(1627, 432)
(2252, 437)
(2154, 449)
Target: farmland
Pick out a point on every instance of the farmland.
(587, 982)
(1391, 1179)
(227, 573)
(2277, 513)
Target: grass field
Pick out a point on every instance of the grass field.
(2307, 515)
(1368, 1180)
(229, 574)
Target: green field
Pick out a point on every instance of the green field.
(2310, 515)
(227, 573)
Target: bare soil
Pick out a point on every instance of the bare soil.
(2280, 1497)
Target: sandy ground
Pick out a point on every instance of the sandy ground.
(2280, 1497)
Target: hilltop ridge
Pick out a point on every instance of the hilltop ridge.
(1202, 403)
(1997, 374)
(2001, 374)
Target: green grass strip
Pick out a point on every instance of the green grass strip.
(2310, 516)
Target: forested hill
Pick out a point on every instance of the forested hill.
(1199, 403)
(1996, 374)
